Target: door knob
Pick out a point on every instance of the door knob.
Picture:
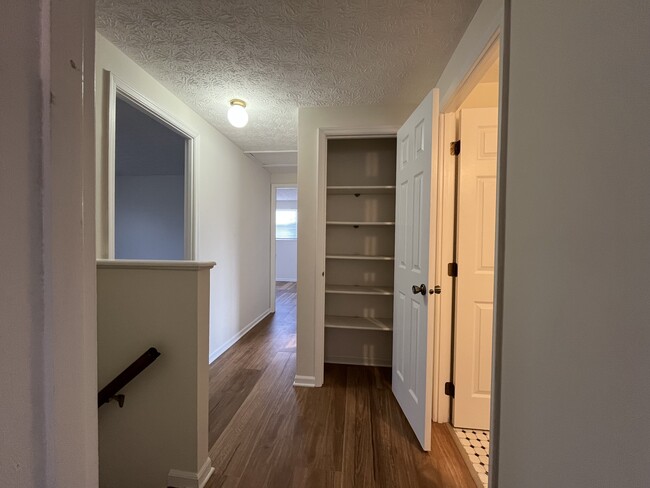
(422, 289)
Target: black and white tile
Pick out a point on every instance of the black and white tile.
(477, 446)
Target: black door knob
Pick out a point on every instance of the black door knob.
(422, 289)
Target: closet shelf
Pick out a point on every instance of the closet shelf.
(358, 323)
(360, 257)
(358, 290)
(362, 190)
(335, 222)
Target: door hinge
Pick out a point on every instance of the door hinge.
(450, 389)
(454, 148)
(452, 270)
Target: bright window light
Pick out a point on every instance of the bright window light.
(286, 224)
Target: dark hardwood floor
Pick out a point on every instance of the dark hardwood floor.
(265, 432)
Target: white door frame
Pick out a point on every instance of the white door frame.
(274, 187)
(319, 306)
(443, 339)
(118, 87)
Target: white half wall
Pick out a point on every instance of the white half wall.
(163, 425)
(574, 397)
(233, 204)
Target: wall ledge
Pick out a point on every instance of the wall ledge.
(154, 265)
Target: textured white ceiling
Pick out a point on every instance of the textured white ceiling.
(279, 55)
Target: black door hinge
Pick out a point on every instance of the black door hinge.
(452, 270)
(454, 148)
(450, 389)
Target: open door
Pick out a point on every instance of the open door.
(477, 198)
(417, 145)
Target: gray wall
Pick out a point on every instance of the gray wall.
(149, 187)
(22, 415)
(575, 388)
(150, 218)
(48, 386)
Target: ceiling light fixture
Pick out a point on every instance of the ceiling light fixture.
(237, 114)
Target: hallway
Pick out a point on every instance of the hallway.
(349, 433)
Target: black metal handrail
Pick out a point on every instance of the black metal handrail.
(110, 391)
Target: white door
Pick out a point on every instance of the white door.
(477, 194)
(417, 144)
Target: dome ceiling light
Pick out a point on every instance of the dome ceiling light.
(237, 115)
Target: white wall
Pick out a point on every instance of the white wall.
(286, 250)
(575, 393)
(48, 410)
(309, 121)
(483, 95)
(149, 217)
(22, 453)
(286, 260)
(284, 178)
(233, 205)
(483, 27)
(149, 186)
(164, 422)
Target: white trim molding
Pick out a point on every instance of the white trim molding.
(304, 381)
(137, 264)
(187, 479)
(231, 342)
(325, 133)
(484, 50)
(118, 87)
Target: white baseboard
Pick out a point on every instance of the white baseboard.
(186, 479)
(307, 381)
(359, 361)
(292, 279)
(230, 342)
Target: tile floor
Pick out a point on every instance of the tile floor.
(477, 447)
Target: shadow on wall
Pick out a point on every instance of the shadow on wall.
(149, 187)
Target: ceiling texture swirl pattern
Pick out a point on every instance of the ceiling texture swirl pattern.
(279, 55)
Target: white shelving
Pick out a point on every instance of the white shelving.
(361, 257)
(360, 250)
(357, 224)
(358, 323)
(358, 290)
(360, 190)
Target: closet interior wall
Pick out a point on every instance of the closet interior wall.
(360, 250)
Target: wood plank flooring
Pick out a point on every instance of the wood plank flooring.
(350, 433)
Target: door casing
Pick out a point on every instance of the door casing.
(443, 323)
(319, 303)
(118, 87)
(274, 188)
